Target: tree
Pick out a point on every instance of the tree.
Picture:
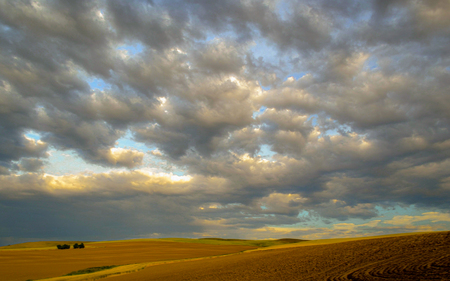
(62, 247)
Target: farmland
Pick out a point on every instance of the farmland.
(36, 262)
(397, 257)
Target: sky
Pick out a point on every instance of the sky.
(235, 119)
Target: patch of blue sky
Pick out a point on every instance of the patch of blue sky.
(68, 163)
(127, 141)
(301, 225)
(5, 27)
(283, 10)
(337, 131)
(371, 63)
(96, 83)
(333, 132)
(313, 119)
(296, 75)
(308, 222)
(33, 135)
(150, 160)
(132, 49)
(303, 213)
(179, 172)
(259, 112)
(270, 55)
(391, 211)
(383, 214)
(266, 152)
(261, 49)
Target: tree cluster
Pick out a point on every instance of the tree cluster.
(62, 247)
(75, 246)
(78, 246)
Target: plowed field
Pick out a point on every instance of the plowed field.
(34, 264)
(414, 257)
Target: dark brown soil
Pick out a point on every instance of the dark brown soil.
(414, 257)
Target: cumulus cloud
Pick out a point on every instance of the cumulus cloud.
(259, 116)
(405, 220)
(124, 157)
(31, 165)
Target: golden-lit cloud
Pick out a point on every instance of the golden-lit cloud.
(429, 216)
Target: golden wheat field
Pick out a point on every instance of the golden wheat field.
(401, 257)
(49, 262)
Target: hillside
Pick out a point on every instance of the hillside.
(408, 257)
(424, 256)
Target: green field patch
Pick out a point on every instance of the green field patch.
(241, 242)
(91, 270)
(214, 241)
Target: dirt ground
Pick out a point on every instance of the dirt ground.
(21, 265)
(415, 257)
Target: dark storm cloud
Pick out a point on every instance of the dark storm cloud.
(363, 123)
(31, 165)
(136, 212)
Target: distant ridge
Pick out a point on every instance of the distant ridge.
(284, 240)
(291, 240)
(257, 243)
(209, 240)
(223, 239)
(39, 244)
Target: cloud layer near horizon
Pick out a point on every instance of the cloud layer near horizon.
(281, 118)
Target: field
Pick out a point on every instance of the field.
(39, 261)
(401, 257)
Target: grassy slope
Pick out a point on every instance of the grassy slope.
(214, 241)
(219, 241)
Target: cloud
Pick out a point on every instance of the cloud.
(31, 165)
(220, 57)
(201, 116)
(282, 203)
(430, 216)
(141, 20)
(15, 146)
(341, 210)
(124, 157)
(255, 114)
